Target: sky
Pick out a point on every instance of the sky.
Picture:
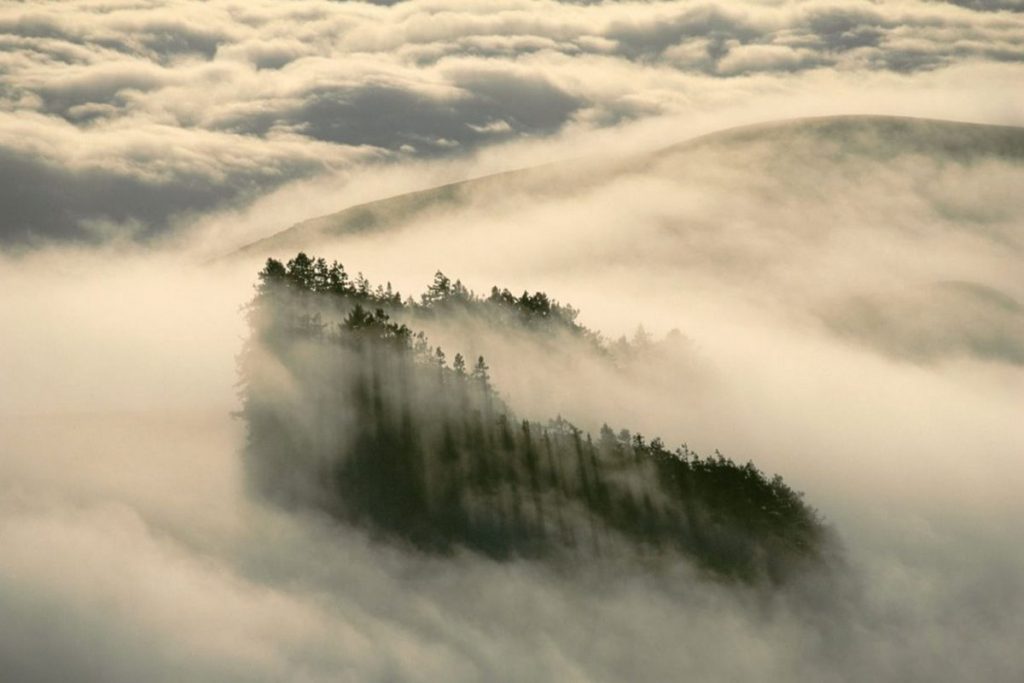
(849, 299)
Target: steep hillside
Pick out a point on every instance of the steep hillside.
(351, 412)
(867, 139)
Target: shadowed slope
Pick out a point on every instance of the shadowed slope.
(350, 412)
(876, 139)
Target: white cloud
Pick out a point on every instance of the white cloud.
(334, 76)
(855, 326)
(133, 551)
(747, 58)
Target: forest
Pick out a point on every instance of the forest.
(351, 411)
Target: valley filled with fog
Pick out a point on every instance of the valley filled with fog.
(815, 264)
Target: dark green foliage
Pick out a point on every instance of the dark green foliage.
(443, 297)
(364, 419)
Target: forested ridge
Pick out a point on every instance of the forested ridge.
(351, 411)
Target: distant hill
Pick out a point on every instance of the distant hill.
(875, 139)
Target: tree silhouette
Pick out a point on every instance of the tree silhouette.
(349, 410)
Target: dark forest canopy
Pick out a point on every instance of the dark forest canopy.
(351, 411)
(317, 276)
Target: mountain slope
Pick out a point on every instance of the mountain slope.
(351, 412)
(871, 139)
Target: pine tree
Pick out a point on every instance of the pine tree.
(481, 372)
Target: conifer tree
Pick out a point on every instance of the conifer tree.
(377, 430)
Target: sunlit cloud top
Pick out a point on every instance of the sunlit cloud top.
(142, 113)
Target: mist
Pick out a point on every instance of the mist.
(131, 542)
(838, 300)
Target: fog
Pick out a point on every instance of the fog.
(847, 295)
(150, 114)
(852, 320)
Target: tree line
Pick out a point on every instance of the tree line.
(350, 410)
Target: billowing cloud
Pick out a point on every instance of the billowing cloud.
(848, 291)
(243, 98)
(132, 549)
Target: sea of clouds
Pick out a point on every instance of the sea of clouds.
(146, 115)
(852, 321)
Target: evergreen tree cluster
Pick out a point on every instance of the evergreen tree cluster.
(351, 411)
(442, 297)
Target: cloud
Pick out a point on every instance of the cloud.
(133, 550)
(946, 320)
(650, 36)
(988, 5)
(287, 84)
(747, 59)
(62, 176)
(850, 295)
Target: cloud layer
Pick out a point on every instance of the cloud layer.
(851, 305)
(127, 118)
(132, 550)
